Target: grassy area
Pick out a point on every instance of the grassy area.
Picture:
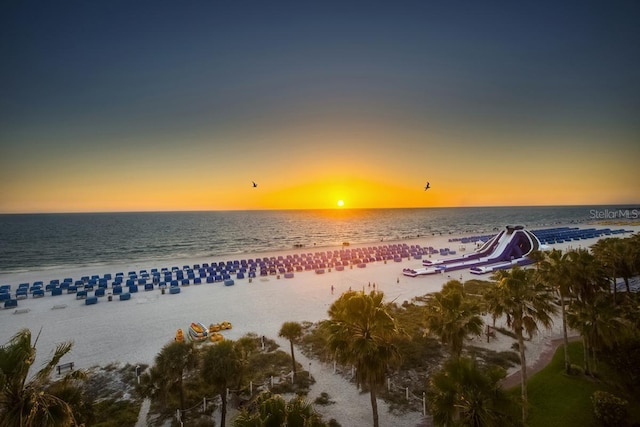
(557, 399)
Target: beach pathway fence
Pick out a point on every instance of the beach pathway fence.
(408, 395)
(411, 398)
(201, 408)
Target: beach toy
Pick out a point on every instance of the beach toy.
(216, 337)
(214, 327)
(225, 325)
(179, 335)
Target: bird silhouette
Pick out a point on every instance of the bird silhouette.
(426, 187)
(254, 184)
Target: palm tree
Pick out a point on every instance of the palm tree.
(270, 410)
(301, 413)
(221, 364)
(173, 362)
(553, 268)
(245, 346)
(493, 304)
(28, 400)
(526, 302)
(586, 274)
(452, 317)
(155, 385)
(601, 323)
(463, 394)
(273, 411)
(291, 331)
(588, 279)
(603, 250)
(619, 257)
(360, 333)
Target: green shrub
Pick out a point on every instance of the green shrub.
(623, 358)
(323, 399)
(111, 413)
(609, 410)
(576, 370)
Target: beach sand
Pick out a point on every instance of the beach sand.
(134, 331)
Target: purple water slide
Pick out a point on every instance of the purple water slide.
(486, 250)
(511, 250)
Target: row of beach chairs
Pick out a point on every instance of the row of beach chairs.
(223, 271)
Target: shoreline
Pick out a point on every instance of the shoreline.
(46, 273)
(28, 275)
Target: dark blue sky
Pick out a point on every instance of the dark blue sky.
(79, 75)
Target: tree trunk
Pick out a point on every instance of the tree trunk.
(182, 404)
(293, 359)
(626, 284)
(374, 403)
(523, 377)
(223, 407)
(585, 348)
(567, 361)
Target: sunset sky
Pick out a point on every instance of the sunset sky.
(174, 105)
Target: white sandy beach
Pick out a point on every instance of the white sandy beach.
(134, 331)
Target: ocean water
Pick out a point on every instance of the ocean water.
(37, 241)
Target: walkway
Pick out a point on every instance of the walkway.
(544, 359)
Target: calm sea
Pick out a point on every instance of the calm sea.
(29, 241)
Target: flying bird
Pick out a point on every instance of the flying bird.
(426, 187)
(254, 184)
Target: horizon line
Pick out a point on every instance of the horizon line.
(314, 209)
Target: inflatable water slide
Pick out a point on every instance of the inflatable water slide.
(509, 247)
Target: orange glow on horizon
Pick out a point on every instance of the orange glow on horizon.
(316, 174)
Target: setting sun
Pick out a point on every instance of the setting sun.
(340, 203)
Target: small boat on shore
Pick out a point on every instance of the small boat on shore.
(197, 332)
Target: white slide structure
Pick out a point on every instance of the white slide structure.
(508, 248)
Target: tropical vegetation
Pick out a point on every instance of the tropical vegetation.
(452, 317)
(361, 332)
(527, 303)
(466, 394)
(32, 399)
(272, 410)
(291, 331)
